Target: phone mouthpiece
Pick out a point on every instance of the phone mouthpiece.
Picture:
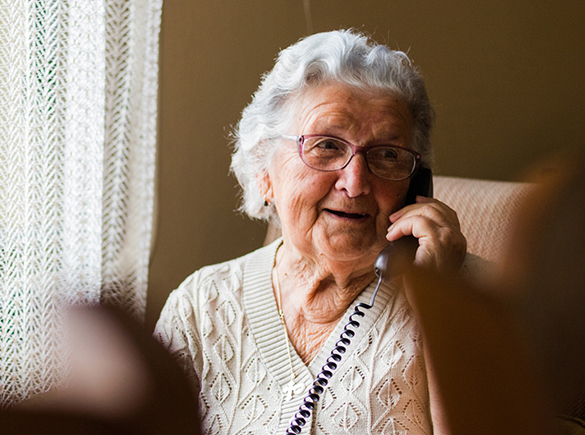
(395, 258)
(382, 261)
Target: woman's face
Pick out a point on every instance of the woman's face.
(342, 215)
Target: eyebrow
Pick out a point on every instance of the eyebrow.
(331, 126)
(336, 133)
(337, 129)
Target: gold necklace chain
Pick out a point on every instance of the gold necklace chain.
(276, 284)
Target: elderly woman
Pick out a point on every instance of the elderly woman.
(327, 149)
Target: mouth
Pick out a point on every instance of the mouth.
(345, 215)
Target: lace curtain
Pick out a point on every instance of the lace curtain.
(78, 86)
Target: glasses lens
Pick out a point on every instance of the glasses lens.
(391, 163)
(325, 153)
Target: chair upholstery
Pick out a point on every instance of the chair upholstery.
(486, 210)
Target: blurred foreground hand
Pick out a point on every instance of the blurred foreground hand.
(119, 381)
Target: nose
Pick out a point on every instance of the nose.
(355, 177)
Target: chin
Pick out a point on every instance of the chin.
(347, 249)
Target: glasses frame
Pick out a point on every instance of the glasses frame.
(355, 149)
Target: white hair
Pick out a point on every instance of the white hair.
(342, 56)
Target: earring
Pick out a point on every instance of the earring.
(266, 203)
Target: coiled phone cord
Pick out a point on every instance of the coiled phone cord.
(322, 379)
(408, 245)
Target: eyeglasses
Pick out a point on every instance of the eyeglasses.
(330, 153)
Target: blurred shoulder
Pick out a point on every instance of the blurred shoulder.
(479, 270)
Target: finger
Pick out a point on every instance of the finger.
(418, 226)
(425, 199)
(440, 247)
(428, 231)
(422, 201)
(434, 210)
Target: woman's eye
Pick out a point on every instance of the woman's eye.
(388, 154)
(329, 145)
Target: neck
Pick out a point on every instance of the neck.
(313, 297)
(319, 292)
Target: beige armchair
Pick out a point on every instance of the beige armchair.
(486, 210)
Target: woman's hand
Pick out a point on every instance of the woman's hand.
(442, 247)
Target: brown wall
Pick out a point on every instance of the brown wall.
(505, 77)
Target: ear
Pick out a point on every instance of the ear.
(264, 184)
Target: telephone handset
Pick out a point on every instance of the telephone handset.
(402, 253)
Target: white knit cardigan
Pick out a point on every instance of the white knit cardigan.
(222, 324)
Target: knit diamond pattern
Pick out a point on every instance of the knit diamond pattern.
(222, 325)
